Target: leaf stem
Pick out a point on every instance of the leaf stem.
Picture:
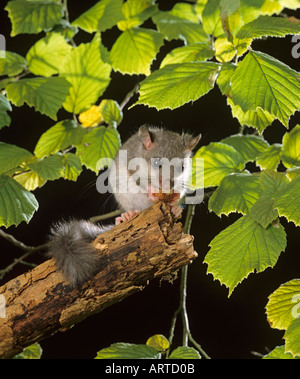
(130, 95)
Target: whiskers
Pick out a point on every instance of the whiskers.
(87, 189)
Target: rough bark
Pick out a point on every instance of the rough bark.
(40, 302)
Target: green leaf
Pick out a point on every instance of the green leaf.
(269, 26)
(291, 4)
(65, 29)
(192, 53)
(30, 180)
(60, 136)
(46, 56)
(135, 7)
(185, 11)
(33, 16)
(136, 12)
(72, 166)
(184, 352)
(31, 352)
(244, 247)
(134, 51)
(100, 17)
(12, 156)
(122, 350)
(292, 338)
(196, 177)
(233, 24)
(159, 342)
(270, 158)
(177, 84)
(97, 145)
(219, 160)
(88, 75)
(258, 118)
(287, 201)
(291, 148)
(278, 353)
(249, 146)
(111, 112)
(12, 65)
(49, 168)
(236, 193)
(174, 27)
(228, 7)
(250, 10)
(211, 19)
(4, 107)
(279, 86)
(283, 305)
(16, 203)
(223, 80)
(272, 181)
(46, 95)
(264, 210)
(225, 50)
(292, 173)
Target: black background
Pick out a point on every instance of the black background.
(226, 328)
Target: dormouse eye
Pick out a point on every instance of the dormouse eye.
(155, 163)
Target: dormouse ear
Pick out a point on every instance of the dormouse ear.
(192, 142)
(146, 137)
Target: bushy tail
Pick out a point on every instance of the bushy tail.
(70, 245)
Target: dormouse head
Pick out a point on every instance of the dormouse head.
(168, 158)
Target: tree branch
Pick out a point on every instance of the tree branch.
(40, 302)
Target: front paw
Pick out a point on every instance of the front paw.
(176, 211)
(126, 216)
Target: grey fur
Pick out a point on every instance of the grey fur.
(70, 245)
(70, 242)
(166, 144)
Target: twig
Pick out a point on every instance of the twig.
(105, 216)
(28, 251)
(191, 339)
(13, 240)
(184, 315)
(182, 310)
(20, 244)
(129, 96)
(257, 354)
(21, 260)
(12, 265)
